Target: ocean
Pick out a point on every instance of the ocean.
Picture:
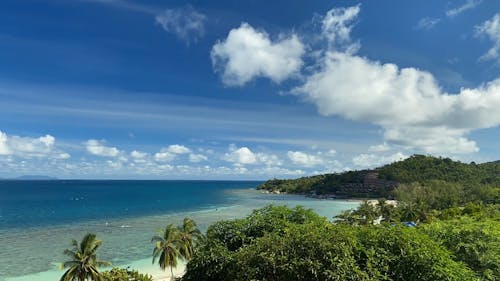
(38, 219)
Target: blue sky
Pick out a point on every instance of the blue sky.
(244, 89)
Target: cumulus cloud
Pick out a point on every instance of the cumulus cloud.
(28, 147)
(427, 23)
(178, 149)
(185, 22)
(304, 159)
(241, 156)
(138, 154)
(164, 156)
(98, 148)
(248, 53)
(169, 153)
(407, 103)
(269, 159)
(469, 4)
(402, 101)
(491, 29)
(374, 160)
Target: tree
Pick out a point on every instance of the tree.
(387, 211)
(83, 264)
(367, 212)
(124, 274)
(167, 247)
(189, 236)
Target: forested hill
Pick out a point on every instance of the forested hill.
(381, 181)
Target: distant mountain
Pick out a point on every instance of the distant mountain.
(379, 182)
(35, 177)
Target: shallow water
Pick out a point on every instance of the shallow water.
(34, 252)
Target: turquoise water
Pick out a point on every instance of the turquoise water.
(38, 223)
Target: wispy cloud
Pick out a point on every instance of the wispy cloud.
(469, 4)
(185, 22)
(427, 23)
(491, 29)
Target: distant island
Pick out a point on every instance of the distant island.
(382, 181)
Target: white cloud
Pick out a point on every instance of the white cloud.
(63, 156)
(469, 4)
(169, 153)
(240, 156)
(4, 147)
(196, 158)
(269, 159)
(185, 22)
(374, 160)
(491, 29)
(400, 100)
(27, 147)
(178, 149)
(304, 159)
(98, 148)
(164, 156)
(138, 154)
(427, 23)
(248, 53)
(337, 25)
(407, 103)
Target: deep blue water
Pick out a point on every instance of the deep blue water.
(49, 203)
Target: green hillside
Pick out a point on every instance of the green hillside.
(380, 182)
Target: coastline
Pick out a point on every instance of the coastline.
(143, 266)
(137, 232)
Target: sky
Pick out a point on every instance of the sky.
(128, 89)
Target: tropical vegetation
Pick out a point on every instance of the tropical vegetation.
(418, 169)
(83, 263)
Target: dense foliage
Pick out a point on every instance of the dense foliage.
(277, 243)
(416, 169)
(419, 168)
(121, 274)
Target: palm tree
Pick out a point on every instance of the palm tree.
(167, 248)
(83, 264)
(190, 235)
(386, 210)
(367, 212)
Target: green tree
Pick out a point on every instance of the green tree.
(83, 264)
(190, 235)
(122, 274)
(166, 248)
(387, 211)
(473, 242)
(367, 212)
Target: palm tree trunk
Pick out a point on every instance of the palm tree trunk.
(172, 273)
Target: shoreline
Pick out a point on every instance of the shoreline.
(143, 266)
(140, 230)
